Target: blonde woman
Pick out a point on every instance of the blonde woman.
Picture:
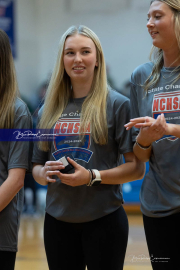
(156, 95)
(85, 223)
(14, 156)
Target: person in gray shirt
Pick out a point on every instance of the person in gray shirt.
(85, 223)
(155, 105)
(14, 156)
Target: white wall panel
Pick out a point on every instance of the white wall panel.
(95, 6)
(120, 25)
(27, 46)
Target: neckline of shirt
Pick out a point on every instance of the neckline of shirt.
(170, 69)
(78, 100)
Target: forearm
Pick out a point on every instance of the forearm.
(142, 154)
(173, 129)
(129, 171)
(11, 187)
(38, 174)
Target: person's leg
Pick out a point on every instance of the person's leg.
(105, 241)
(163, 238)
(63, 245)
(7, 260)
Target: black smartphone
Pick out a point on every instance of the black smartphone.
(67, 165)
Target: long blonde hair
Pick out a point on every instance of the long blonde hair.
(59, 92)
(156, 54)
(8, 83)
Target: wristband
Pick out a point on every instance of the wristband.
(94, 181)
(97, 180)
(90, 178)
(142, 147)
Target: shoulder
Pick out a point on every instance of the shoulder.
(22, 117)
(141, 73)
(115, 98)
(21, 108)
(117, 101)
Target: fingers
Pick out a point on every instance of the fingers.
(78, 178)
(50, 180)
(70, 179)
(139, 119)
(156, 130)
(52, 168)
(163, 121)
(140, 122)
(129, 125)
(53, 165)
(73, 162)
(159, 124)
(49, 174)
(146, 124)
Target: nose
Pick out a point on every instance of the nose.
(78, 58)
(150, 23)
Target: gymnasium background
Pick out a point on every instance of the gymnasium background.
(35, 27)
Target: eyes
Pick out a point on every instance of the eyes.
(156, 17)
(71, 53)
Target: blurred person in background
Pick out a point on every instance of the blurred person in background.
(14, 156)
(85, 223)
(125, 89)
(155, 104)
(38, 101)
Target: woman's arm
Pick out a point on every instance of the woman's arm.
(150, 130)
(132, 170)
(173, 129)
(11, 186)
(38, 173)
(142, 153)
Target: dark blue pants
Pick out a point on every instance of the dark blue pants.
(163, 240)
(99, 244)
(7, 260)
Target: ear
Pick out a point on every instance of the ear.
(96, 65)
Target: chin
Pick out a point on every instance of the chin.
(156, 44)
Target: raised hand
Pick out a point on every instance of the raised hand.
(151, 129)
(140, 122)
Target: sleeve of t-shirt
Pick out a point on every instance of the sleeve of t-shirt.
(20, 152)
(122, 136)
(39, 156)
(134, 110)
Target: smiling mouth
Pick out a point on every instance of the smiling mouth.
(78, 68)
(153, 33)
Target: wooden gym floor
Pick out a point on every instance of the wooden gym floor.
(31, 254)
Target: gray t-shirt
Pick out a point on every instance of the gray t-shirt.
(14, 154)
(160, 191)
(82, 203)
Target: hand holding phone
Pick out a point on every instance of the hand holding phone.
(67, 165)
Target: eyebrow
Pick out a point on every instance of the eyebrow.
(81, 48)
(156, 10)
